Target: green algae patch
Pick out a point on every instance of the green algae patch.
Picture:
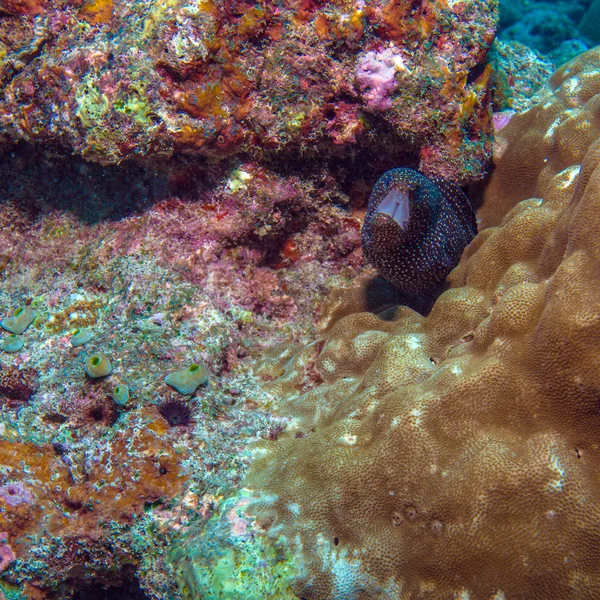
(229, 558)
(187, 380)
(97, 365)
(92, 105)
(21, 319)
(136, 106)
(9, 591)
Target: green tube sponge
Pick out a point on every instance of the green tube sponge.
(81, 337)
(187, 380)
(22, 318)
(97, 365)
(121, 394)
(12, 343)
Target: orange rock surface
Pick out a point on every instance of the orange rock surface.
(138, 465)
(457, 455)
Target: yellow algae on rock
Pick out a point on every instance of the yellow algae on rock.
(97, 12)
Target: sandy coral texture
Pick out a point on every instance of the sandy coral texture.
(456, 456)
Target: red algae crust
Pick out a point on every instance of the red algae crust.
(112, 79)
(57, 514)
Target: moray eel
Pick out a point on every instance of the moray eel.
(415, 231)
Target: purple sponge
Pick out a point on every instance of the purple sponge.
(376, 77)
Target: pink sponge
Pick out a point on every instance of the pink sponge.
(7, 556)
(376, 78)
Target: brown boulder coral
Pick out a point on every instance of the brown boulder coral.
(456, 456)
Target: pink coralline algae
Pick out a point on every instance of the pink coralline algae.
(16, 494)
(376, 77)
(7, 556)
(501, 119)
(238, 520)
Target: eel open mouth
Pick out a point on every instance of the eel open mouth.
(397, 205)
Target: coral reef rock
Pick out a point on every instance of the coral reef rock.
(218, 78)
(456, 456)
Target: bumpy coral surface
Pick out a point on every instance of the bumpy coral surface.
(112, 80)
(456, 456)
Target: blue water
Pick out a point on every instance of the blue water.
(558, 30)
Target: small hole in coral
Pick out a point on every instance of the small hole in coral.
(73, 504)
(97, 414)
(162, 471)
(59, 449)
(55, 418)
(336, 541)
(220, 139)
(329, 113)
(94, 360)
(411, 513)
(193, 368)
(437, 526)
(476, 72)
